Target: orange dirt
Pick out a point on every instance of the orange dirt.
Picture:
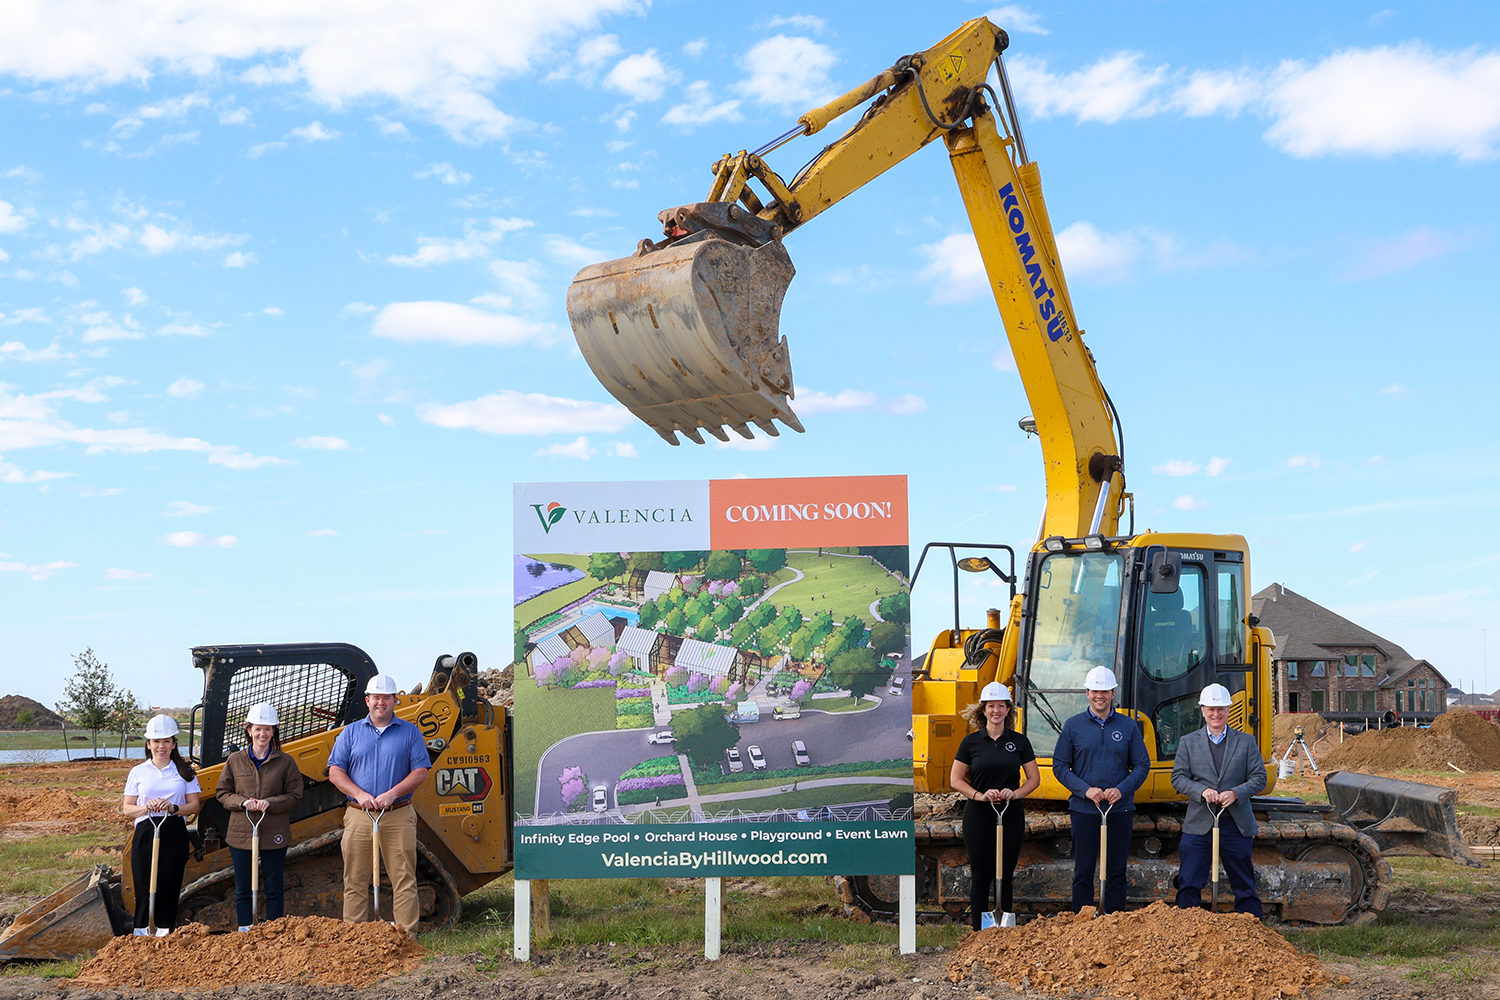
(40, 800)
(1158, 953)
(303, 950)
(1460, 738)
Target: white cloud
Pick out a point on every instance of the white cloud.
(322, 533)
(1086, 252)
(1002, 360)
(810, 401)
(695, 48)
(1175, 467)
(1403, 253)
(273, 311)
(444, 172)
(115, 573)
(1395, 389)
(1217, 465)
(10, 222)
(1304, 461)
(758, 443)
(641, 77)
(185, 388)
(134, 297)
(386, 418)
(320, 443)
(1189, 502)
(391, 129)
(474, 243)
(1014, 17)
(234, 116)
(261, 149)
(1362, 578)
(241, 258)
(700, 108)
(195, 540)
(955, 269)
(513, 412)
(14, 474)
(32, 422)
(902, 406)
(314, 132)
(578, 449)
(35, 572)
(359, 309)
(157, 240)
(186, 508)
(1358, 546)
(173, 108)
(31, 314)
(17, 351)
(452, 323)
(569, 252)
(622, 449)
(1377, 460)
(789, 72)
(807, 22)
(1113, 88)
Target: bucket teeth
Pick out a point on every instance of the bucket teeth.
(743, 431)
(687, 335)
(768, 427)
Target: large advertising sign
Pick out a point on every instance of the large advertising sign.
(712, 678)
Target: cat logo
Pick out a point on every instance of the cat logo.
(470, 784)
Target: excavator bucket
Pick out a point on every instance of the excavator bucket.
(687, 335)
(1403, 817)
(81, 916)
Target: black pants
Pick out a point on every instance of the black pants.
(1086, 858)
(170, 863)
(979, 838)
(272, 864)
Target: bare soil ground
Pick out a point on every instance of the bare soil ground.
(993, 965)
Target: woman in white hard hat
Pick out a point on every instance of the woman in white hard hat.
(160, 793)
(1218, 768)
(260, 784)
(987, 771)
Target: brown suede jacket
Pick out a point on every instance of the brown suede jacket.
(277, 781)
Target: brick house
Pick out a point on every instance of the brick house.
(1325, 663)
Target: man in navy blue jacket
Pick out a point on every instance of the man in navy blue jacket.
(1101, 758)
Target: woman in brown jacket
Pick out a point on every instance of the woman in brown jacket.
(260, 783)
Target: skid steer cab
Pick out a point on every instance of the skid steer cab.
(464, 838)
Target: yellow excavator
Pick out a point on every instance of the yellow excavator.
(686, 334)
(463, 808)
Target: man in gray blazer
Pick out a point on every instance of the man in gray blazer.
(1221, 768)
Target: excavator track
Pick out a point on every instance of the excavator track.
(1310, 869)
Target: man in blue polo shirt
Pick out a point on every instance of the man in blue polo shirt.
(1101, 758)
(378, 762)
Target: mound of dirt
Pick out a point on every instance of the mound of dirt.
(26, 812)
(1285, 724)
(15, 707)
(303, 950)
(1461, 738)
(1158, 953)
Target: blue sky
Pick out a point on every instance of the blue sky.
(282, 300)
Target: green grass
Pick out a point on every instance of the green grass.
(41, 866)
(545, 716)
(556, 599)
(849, 585)
(840, 705)
(1440, 876)
(665, 916)
(51, 739)
(1401, 936)
(47, 970)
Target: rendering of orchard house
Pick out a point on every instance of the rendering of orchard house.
(1327, 664)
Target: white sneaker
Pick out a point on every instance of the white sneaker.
(1008, 920)
(141, 932)
(245, 929)
(163, 931)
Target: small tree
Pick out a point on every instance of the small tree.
(767, 560)
(128, 714)
(606, 565)
(895, 608)
(648, 561)
(91, 696)
(676, 562)
(704, 734)
(856, 671)
(723, 566)
(518, 648)
(888, 637)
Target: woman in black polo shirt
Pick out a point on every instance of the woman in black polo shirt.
(987, 769)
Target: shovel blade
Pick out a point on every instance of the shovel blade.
(687, 336)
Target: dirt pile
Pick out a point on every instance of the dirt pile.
(26, 812)
(1479, 831)
(1460, 738)
(1158, 953)
(305, 950)
(1285, 724)
(14, 708)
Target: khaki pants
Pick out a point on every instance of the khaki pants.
(398, 861)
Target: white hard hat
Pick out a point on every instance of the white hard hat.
(1101, 679)
(1214, 696)
(995, 691)
(263, 714)
(161, 727)
(381, 684)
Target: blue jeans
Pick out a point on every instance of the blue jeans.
(1196, 852)
(1086, 858)
(272, 864)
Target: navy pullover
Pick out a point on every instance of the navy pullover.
(1094, 755)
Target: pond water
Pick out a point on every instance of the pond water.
(48, 756)
(529, 583)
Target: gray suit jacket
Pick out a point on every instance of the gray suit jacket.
(1243, 773)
